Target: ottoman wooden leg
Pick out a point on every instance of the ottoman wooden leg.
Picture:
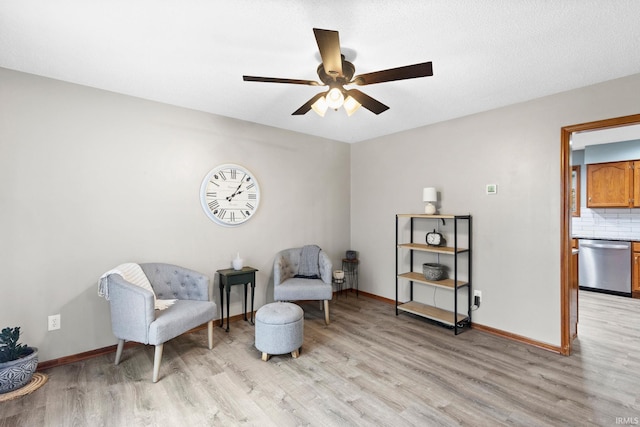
(265, 356)
(295, 353)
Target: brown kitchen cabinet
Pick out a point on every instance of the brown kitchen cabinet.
(635, 270)
(611, 185)
(636, 184)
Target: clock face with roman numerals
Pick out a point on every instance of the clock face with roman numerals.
(230, 194)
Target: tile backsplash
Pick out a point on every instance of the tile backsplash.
(607, 223)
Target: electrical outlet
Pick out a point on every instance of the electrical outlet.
(478, 294)
(54, 322)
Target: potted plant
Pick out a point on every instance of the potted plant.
(17, 361)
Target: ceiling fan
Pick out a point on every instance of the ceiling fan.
(336, 72)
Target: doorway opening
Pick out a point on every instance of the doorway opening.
(569, 291)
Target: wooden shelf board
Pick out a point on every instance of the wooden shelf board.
(419, 277)
(439, 216)
(435, 249)
(431, 312)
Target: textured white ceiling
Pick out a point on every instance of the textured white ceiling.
(193, 53)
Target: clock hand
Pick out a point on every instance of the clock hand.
(235, 193)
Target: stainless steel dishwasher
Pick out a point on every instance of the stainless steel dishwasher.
(605, 266)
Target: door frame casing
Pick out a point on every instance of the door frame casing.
(565, 218)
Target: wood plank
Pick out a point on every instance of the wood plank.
(438, 216)
(435, 249)
(419, 277)
(431, 312)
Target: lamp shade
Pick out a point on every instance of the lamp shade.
(335, 98)
(351, 105)
(320, 106)
(429, 194)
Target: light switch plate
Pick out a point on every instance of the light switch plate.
(492, 188)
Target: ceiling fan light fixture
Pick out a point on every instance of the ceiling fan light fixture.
(351, 105)
(335, 98)
(335, 71)
(320, 106)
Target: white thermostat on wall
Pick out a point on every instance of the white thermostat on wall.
(492, 188)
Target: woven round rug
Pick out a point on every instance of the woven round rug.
(36, 382)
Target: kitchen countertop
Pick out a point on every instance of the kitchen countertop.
(617, 239)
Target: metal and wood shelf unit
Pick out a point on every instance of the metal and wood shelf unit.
(452, 318)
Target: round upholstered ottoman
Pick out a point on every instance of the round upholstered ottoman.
(279, 329)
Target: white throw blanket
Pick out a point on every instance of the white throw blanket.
(133, 274)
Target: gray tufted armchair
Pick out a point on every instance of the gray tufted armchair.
(287, 287)
(133, 317)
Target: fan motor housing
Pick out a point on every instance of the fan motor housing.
(348, 69)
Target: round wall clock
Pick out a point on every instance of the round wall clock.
(230, 194)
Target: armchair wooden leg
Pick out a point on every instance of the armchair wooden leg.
(156, 362)
(119, 350)
(265, 356)
(326, 311)
(210, 333)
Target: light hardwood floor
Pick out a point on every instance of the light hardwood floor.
(368, 367)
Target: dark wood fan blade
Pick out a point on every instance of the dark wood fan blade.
(424, 69)
(367, 102)
(306, 107)
(278, 80)
(329, 46)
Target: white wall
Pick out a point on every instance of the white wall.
(90, 179)
(516, 232)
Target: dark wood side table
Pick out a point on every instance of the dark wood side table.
(230, 277)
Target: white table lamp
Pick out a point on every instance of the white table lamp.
(430, 197)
